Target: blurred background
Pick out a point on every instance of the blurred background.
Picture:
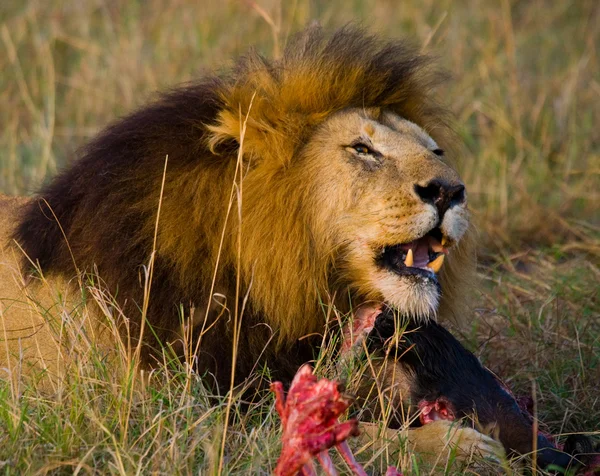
(525, 90)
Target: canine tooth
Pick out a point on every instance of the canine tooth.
(436, 264)
(444, 241)
(409, 261)
(437, 247)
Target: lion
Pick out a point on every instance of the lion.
(260, 198)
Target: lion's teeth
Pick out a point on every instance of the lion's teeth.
(409, 261)
(436, 264)
(437, 247)
(444, 241)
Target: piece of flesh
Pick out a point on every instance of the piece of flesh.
(309, 416)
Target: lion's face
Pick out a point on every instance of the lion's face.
(393, 207)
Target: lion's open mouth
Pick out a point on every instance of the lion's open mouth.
(421, 257)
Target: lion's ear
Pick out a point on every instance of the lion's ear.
(258, 136)
(246, 131)
(268, 132)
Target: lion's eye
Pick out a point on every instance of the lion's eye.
(361, 149)
(438, 152)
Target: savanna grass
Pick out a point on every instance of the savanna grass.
(526, 96)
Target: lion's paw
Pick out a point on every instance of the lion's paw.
(435, 442)
(445, 438)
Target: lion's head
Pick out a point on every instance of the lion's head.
(392, 207)
(342, 193)
(345, 186)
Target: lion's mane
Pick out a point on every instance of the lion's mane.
(100, 213)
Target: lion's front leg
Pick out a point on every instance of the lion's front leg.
(434, 442)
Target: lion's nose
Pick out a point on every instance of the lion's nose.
(441, 194)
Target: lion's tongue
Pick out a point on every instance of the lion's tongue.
(420, 249)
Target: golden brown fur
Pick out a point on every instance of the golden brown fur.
(44, 324)
(304, 200)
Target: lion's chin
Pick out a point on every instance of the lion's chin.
(416, 296)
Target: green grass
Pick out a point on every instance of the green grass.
(526, 94)
(538, 325)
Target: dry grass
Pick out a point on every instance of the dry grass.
(526, 94)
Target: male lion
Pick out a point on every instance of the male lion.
(342, 196)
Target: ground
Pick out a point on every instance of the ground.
(525, 92)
